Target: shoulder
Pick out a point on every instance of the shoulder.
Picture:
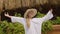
(20, 18)
(36, 20)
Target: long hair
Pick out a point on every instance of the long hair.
(26, 16)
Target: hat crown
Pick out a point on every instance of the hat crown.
(34, 10)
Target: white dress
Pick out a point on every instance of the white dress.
(35, 23)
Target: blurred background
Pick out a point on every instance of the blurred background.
(18, 7)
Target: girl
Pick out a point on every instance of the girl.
(31, 25)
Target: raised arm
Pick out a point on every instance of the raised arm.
(48, 16)
(7, 15)
(15, 19)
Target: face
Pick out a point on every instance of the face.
(30, 14)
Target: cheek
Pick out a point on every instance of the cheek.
(29, 14)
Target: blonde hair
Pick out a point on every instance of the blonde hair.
(25, 16)
(27, 11)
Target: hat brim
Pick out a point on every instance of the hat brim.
(34, 10)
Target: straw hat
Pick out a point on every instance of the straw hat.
(27, 11)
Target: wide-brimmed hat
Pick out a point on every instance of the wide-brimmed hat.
(28, 10)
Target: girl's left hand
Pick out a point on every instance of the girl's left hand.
(51, 10)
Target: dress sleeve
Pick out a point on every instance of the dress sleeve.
(17, 19)
(48, 16)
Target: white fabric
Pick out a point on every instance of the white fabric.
(35, 23)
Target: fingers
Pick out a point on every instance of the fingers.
(51, 10)
(6, 14)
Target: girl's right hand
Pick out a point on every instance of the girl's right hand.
(6, 14)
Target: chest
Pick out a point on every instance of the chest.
(35, 28)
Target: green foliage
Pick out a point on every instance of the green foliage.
(17, 28)
(39, 15)
(46, 26)
(57, 21)
(11, 28)
(17, 14)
